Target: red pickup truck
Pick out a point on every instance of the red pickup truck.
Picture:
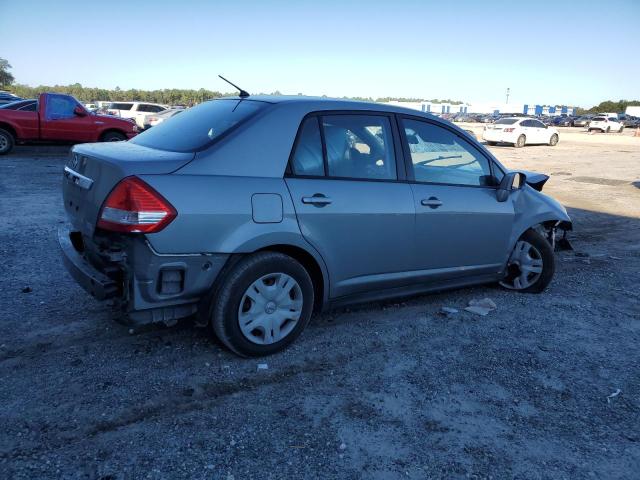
(60, 118)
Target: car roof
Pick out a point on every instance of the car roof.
(328, 103)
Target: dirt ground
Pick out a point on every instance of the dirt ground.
(392, 390)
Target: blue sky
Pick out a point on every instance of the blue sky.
(466, 50)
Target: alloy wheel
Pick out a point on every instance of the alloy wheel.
(270, 308)
(4, 143)
(524, 267)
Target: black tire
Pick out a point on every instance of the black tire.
(6, 142)
(113, 137)
(621, 129)
(553, 141)
(548, 261)
(607, 130)
(226, 303)
(521, 142)
(492, 143)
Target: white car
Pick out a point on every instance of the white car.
(154, 119)
(520, 131)
(135, 110)
(606, 124)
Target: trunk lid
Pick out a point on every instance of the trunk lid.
(93, 170)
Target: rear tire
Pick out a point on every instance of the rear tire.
(6, 142)
(621, 129)
(113, 137)
(531, 265)
(553, 141)
(521, 142)
(251, 294)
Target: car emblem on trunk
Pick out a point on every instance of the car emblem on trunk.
(74, 161)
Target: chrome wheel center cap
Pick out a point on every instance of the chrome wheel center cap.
(270, 307)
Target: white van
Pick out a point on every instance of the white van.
(135, 110)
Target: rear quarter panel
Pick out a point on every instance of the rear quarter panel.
(215, 214)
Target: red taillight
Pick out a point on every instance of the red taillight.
(135, 207)
(508, 129)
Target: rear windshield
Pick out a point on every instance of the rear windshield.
(199, 126)
(507, 121)
(598, 119)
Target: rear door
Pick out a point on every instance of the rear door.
(352, 205)
(461, 229)
(59, 122)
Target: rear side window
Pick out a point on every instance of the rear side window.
(307, 158)
(200, 126)
(143, 107)
(359, 146)
(440, 156)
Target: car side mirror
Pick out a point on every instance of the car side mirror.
(81, 112)
(511, 181)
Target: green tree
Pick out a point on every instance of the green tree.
(6, 78)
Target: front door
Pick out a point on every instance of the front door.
(539, 131)
(461, 229)
(60, 123)
(349, 203)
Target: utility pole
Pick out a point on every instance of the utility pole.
(508, 90)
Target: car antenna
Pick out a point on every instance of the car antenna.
(243, 93)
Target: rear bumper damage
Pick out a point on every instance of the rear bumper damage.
(145, 286)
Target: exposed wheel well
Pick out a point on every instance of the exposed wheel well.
(10, 129)
(309, 263)
(112, 130)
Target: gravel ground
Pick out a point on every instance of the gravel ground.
(392, 390)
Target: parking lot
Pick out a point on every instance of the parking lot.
(545, 386)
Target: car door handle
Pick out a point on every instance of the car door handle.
(318, 200)
(431, 202)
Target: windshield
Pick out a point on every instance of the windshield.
(199, 126)
(507, 121)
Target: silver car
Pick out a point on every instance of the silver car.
(252, 213)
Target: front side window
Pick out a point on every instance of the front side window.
(60, 107)
(307, 158)
(440, 156)
(359, 146)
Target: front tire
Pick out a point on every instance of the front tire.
(113, 137)
(521, 142)
(553, 141)
(263, 304)
(607, 130)
(6, 142)
(531, 264)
